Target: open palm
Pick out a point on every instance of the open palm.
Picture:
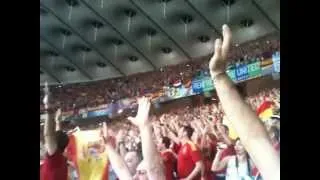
(142, 117)
(217, 64)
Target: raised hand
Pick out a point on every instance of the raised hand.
(205, 130)
(120, 136)
(219, 127)
(217, 64)
(46, 96)
(58, 115)
(105, 135)
(142, 118)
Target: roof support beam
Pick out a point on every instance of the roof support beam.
(50, 74)
(162, 30)
(82, 71)
(259, 8)
(84, 2)
(203, 17)
(82, 38)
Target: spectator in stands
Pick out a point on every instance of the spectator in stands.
(238, 166)
(190, 163)
(132, 160)
(169, 158)
(154, 165)
(104, 92)
(55, 164)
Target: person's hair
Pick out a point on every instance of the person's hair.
(139, 151)
(62, 140)
(189, 130)
(247, 159)
(166, 141)
(226, 127)
(275, 131)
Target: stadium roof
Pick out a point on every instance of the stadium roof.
(89, 40)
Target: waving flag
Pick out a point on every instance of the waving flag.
(87, 152)
(265, 111)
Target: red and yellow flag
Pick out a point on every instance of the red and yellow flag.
(87, 152)
(265, 110)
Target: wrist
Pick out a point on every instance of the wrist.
(49, 110)
(121, 142)
(145, 126)
(217, 74)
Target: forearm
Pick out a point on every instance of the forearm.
(150, 154)
(176, 127)
(227, 139)
(117, 163)
(49, 125)
(49, 134)
(122, 149)
(203, 141)
(174, 138)
(58, 123)
(58, 126)
(199, 168)
(250, 129)
(216, 162)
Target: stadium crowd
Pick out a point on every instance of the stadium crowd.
(185, 143)
(103, 92)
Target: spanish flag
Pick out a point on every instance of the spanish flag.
(265, 110)
(87, 152)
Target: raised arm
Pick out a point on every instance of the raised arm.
(173, 137)
(224, 135)
(151, 156)
(49, 124)
(117, 162)
(58, 119)
(219, 164)
(120, 143)
(250, 129)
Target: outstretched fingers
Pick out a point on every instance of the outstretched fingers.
(217, 53)
(227, 36)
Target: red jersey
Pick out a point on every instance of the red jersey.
(188, 156)
(169, 161)
(54, 167)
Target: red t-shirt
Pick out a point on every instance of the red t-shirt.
(169, 162)
(54, 167)
(188, 155)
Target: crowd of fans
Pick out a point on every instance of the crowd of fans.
(210, 131)
(103, 92)
(212, 112)
(184, 143)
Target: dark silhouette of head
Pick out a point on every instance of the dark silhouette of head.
(62, 140)
(186, 132)
(166, 142)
